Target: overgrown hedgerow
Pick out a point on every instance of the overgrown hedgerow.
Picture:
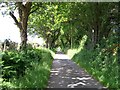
(101, 62)
(102, 66)
(26, 70)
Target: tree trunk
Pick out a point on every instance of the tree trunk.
(96, 25)
(54, 37)
(24, 11)
(63, 44)
(47, 41)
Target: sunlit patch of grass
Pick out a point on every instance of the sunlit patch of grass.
(72, 52)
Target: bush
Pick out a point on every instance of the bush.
(22, 70)
(38, 76)
(14, 65)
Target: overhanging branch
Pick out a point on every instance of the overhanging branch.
(14, 18)
(16, 21)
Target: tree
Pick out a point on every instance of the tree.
(48, 22)
(24, 12)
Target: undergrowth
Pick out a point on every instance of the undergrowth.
(103, 67)
(26, 70)
(101, 62)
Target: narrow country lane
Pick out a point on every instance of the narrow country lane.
(66, 74)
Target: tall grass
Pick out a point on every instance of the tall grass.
(37, 77)
(103, 67)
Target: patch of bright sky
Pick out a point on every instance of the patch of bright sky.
(8, 30)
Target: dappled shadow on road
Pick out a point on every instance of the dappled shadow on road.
(66, 74)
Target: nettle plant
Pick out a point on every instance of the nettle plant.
(14, 64)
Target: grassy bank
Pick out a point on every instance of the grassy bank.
(101, 62)
(100, 65)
